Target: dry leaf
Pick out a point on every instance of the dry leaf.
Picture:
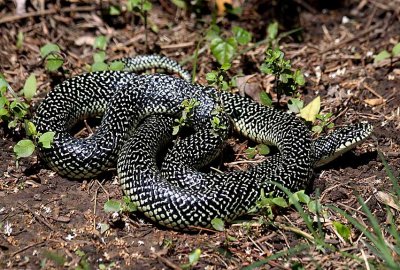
(221, 6)
(387, 199)
(250, 87)
(311, 110)
(374, 101)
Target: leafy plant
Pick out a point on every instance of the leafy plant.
(323, 122)
(286, 80)
(188, 106)
(51, 54)
(261, 149)
(99, 57)
(15, 113)
(114, 206)
(384, 54)
(224, 49)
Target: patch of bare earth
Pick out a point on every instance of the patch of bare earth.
(46, 214)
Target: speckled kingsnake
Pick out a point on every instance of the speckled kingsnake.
(128, 99)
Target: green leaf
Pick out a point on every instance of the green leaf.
(279, 201)
(54, 62)
(194, 256)
(20, 39)
(46, 139)
(30, 128)
(223, 50)
(381, 56)
(263, 149)
(343, 230)
(99, 57)
(104, 227)
(299, 78)
(24, 148)
(114, 11)
(310, 111)
(316, 129)
(79, 253)
(250, 152)
(4, 112)
(117, 65)
(226, 66)
(180, 4)
(396, 49)
(29, 89)
(129, 206)
(272, 30)
(3, 84)
(242, 36)
(265, 99)
(295, 105)
(48, 49)
(314, 206)
(211, 77)
(147, 6)
(99, 66)
(112, 206)
(218, 224)
(100, 43)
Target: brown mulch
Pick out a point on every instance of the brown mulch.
(52, 215)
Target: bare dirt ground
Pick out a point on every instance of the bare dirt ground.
(52, 215)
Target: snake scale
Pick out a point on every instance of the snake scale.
(139, 112)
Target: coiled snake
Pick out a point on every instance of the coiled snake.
(138, 117)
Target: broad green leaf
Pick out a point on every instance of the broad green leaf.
(12, 124)
(24, 148)
(30, 87)
(49, 48)
(280, 202)
(100, 43)
(381, 56)
(396, 49)
(272, 30)
(99, 57)
(20, 39)
(310, 111)
(54, 62)
(223, 50)
(263, 149)
(112, 206)
(114, 11)
(295, 105)
(99, 66)
(46, 139)
(343, 230)
(194, 256)
(80, 253)
(218, 224)
(265, 99)
(30, 128)
(242, 36)
(180, 4)
(117, 65)
(299, 78)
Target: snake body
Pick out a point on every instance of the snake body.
(138, 110)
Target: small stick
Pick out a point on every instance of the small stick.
(167, 262)
(45, 12)
(27, 247)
